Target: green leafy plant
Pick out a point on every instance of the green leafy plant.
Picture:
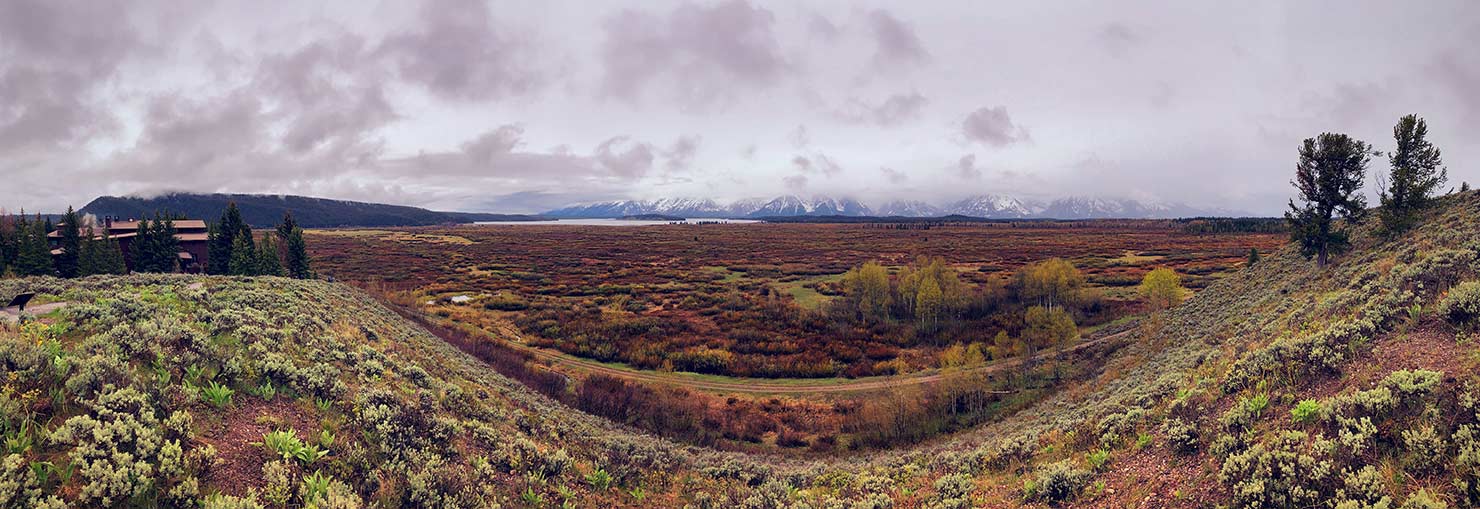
(637, 493)
(315, 487)
(194, 372)
(1256, 404)
(1306, 411)
(287, 444)
(216, 394)
(266, 391)
(323, 404)
(1098, 458)
(18, 440)
(530, 497)
(599, 479)
(1143, 440)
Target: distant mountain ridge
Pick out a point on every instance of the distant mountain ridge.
(991, 206)
(263, 210)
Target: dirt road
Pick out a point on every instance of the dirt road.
(769, 386)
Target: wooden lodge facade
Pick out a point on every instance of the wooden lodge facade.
(191, 233)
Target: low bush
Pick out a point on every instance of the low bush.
(1057, 482)
(1289, 472)
(1181, 435)
(1461, 306)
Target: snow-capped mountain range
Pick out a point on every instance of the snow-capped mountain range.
(993, 206)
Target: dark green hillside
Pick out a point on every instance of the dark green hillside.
(265, 210)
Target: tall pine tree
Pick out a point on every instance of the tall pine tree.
(155, 247)
(243, 258)
(7, 241)
(70, 243)
(107, 256)
(268, 263)
(33, 256)
(223, 237)
(295, 252)
(1328, 176)
(1415, 174)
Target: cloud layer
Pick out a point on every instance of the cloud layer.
(521, 106)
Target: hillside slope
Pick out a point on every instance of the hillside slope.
(1281, 386)
(263, 211)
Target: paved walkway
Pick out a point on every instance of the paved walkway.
(12, 315)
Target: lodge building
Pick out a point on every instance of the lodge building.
(191, 233)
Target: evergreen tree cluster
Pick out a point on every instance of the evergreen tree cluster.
(155, 247)
(234, 251)
(1329, 176)
(24, 250)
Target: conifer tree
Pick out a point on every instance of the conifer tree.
(222, 240)
(1328, 177)
(295, 251)
(268, 263)
(70, 244)
(108, 257)
(1415, 174)
(33, 256)
(7, 241)
(155, 247)
(87, 259)
(243, 258)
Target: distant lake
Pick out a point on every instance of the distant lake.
(617, 222)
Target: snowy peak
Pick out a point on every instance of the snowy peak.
(909, 208)
(991, 206)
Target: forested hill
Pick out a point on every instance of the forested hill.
(263, 210)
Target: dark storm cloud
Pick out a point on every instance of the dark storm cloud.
(702, 51)
(895, 41)
(55, 56)
(896, 110)
(992, 127)
(458, 51)
(324, 91)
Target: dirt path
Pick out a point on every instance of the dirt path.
(11, 315)
(764, 386)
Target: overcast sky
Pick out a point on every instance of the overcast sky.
(525, 105)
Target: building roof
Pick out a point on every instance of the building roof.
(121, 228)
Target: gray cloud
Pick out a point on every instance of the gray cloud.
(818, 25)
(966, 167)
(896, 110)
(681, 154)
(796, 183)
(441, 103)
(1117, 38)
(457, 52)
(56, 56)
(894, 176)
(704, 51)
(624, 157)
(895, 41)
(992, 127)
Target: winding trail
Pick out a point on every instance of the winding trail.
(772, 386)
